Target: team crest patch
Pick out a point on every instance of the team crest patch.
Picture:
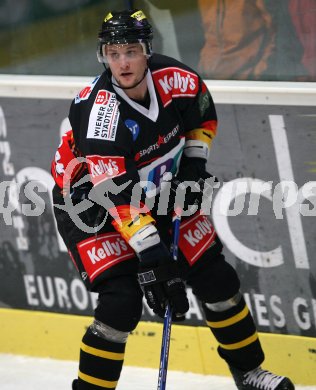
(104, 117)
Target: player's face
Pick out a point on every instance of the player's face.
(127, 63)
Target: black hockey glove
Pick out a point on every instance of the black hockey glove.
(190, 183)
(159, 278)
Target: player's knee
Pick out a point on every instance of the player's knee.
(120, 303)
(227, 304)
(215, 281)
(108, 333)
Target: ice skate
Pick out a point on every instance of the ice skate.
(260, 379)
(75, 384)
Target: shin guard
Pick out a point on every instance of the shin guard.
(235, 331)
(101, 362)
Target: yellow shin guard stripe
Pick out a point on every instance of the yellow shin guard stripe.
(101, 353)
(230, 321)
(241, 344)
(97, 382)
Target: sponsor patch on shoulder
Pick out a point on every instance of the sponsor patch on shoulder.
(86, 92)
(102, 168)
(175, 82)
(104, 117)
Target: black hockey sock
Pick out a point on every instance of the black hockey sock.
(101, 363)
(236, 333)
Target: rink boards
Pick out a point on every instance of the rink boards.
(193, 349)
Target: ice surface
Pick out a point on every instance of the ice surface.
(25, 373)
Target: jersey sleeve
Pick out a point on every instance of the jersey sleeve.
(66, 169)
(179, 85)
(200, 121)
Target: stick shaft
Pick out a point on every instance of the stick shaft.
(165, 344)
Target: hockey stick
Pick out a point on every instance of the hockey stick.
(164, 355)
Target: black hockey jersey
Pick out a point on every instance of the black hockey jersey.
(131, 151)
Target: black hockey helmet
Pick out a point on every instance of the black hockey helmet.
(130, 26)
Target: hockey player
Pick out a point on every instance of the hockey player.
(147, 122)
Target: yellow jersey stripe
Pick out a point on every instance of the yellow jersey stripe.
(203, 135)
(102, 354)
(131, 226)
(127, 220)
(241, 344)
(97, 382)
(230, 321)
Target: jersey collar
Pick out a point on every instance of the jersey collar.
(153, 111)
